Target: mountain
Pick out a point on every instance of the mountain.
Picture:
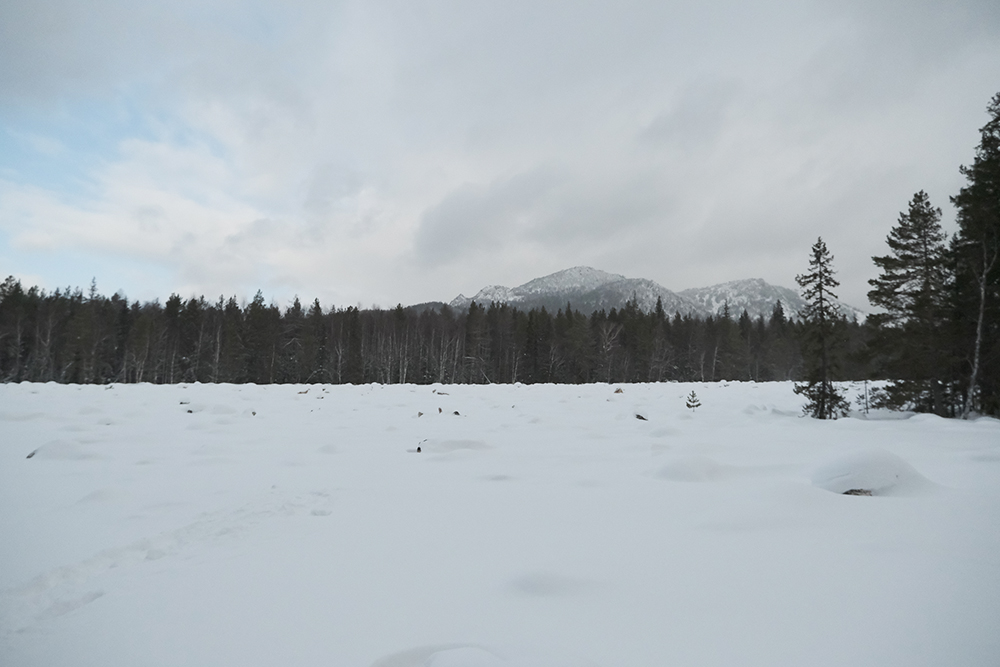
(589, 290)
(586, 289)
(577, 279)
(756, 296)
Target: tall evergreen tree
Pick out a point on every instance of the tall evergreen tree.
(314, 337)
(912, 291)
(976, 249)
(13, 329)
(820, 318)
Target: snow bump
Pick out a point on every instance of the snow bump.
(877, 471)
(62, 450)
(692, 469)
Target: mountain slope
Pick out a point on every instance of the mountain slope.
(645, 292)
(574, 280)
(586, 289)
(755, 295)
(589, 290)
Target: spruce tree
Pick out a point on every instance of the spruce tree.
(912, 291)
(820, 318)
(976, 249)
(782, 352)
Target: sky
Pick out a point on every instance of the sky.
(374, 153)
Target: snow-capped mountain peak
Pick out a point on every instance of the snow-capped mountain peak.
(755, 296)
(589, 290)
(578, 278)
(585, 288)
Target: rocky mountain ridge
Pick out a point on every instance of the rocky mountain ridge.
(589, 290)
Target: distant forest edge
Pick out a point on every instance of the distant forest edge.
(69, 336)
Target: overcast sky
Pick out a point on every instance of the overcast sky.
(384, 152)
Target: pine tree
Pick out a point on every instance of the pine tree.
(782, 356)
(976, 248)
(820, 318)
(692, 402)
(911, 290)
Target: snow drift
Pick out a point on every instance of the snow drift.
(252, 526)
(874, 470)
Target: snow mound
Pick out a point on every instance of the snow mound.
(692, 469)
(881, 472)
(62, 450)
(466, 656)
(414, 657)
(548, 584)
(448, 446)
(470, 655)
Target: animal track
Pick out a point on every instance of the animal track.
(63, 590)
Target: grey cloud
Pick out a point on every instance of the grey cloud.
(95, 47)
(695, 120)
(714, 135)
(149, 218)
(328, 185)
(560, 209)
(604, 207)
(927, 26)
(883, 52)
(476, 218)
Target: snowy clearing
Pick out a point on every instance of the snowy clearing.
(249, 525)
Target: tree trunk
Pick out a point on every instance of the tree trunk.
(974, 377)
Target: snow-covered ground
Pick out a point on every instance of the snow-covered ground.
(223, 525)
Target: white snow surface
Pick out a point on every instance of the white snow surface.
(243, 525)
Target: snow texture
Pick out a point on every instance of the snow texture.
(247, 526)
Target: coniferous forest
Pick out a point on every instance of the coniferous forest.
(69, 336)
(935, 334)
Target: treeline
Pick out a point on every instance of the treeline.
(69, 336)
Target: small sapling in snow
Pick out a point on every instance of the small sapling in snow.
(692, 401)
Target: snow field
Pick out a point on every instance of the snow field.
(541, 525)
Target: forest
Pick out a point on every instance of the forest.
(69, 336)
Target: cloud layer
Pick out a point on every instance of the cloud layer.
(402, 152)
